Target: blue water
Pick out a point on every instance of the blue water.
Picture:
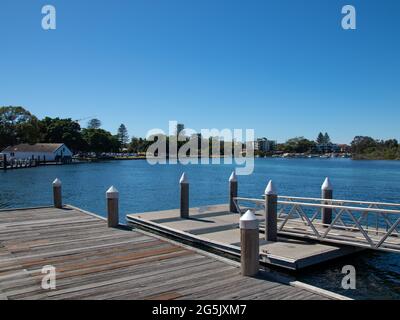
(147, 188)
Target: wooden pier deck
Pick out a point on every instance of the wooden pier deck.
(96, 262)
(217, 228)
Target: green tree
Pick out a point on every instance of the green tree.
(327, 139)
(363, 144)
(138, 145)
(56, 130)
(320, 138)
(17, 125)
(391, 144)
(94, 124)
(299, 145)
(123, 135)
(99, 140)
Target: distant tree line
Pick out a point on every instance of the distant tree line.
(140, 145)
(297, 145)
(18, 125)
(303, 145)
(368, 148)
(323, 138)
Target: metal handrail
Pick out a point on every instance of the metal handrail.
(323, 205)
(331, 206)
(339, 230)
(385, 204)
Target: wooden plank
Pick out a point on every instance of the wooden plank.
(96, 262)
(79, 288)
(65, 279)
(176, 280)
(165, 296)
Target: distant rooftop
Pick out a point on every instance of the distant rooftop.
(38, 147)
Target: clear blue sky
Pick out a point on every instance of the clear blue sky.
(285, 68)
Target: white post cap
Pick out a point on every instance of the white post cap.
(233, 178)
(270, 190)
(248, 221)
(112, 193)
(57, 183)
(326, 185)
(184, 178)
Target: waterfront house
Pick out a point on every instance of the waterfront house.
(327, 148)
(41, 151)
(344, 148)
(264, 145)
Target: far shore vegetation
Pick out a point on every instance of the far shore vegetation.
(18, 125)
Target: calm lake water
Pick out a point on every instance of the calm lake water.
(147, 188)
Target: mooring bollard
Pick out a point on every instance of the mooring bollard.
(233, 193)
(249, 244)
(327, 193)
(57, 195)
(271, 213)
(112, 196)
(184, 191)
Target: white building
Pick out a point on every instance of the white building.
(43, 151)
(327, 147)
(265, 145)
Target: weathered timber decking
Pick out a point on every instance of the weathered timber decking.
(96, 262)
(217, 228)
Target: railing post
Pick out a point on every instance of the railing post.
(249, 244)
(57, 195)
(271, 213)
(327, 193)
(184, 193)
(112, 196)
(4, 162)
(233, 193)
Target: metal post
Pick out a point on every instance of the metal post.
(233, 192)
(184, 191)
(271, 213)
(57, 195)
(327, 193)
(112, 196)
(249, 244)
(4, 162)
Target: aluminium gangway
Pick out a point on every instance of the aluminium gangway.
(372, 225)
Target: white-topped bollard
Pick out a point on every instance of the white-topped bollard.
(249, 244)
(57, 194)
(233, 192)
(271, 213)
(112, 196)
(184, 193)
(327, 193)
